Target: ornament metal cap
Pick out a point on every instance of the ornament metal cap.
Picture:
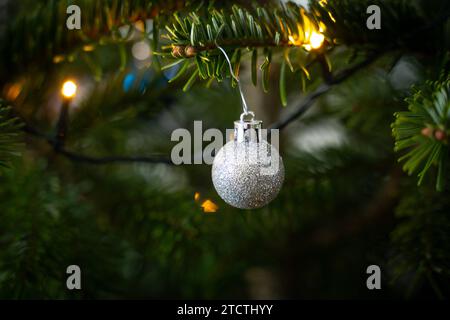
(247, 130)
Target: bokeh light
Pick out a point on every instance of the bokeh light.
(69, 89)
(141, 50)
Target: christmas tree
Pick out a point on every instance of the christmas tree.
(92, 91)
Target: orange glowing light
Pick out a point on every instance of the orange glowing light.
(310, 36)
(209, 206)
(197, 196)
(69, 89)
(58, 58)
(140, 25)
(88, 48)
(292, 40)
(13, 91)
(316, 40)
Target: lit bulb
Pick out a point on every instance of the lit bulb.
(292, 40)
(316, 40)
(69, 89)
(141, 50)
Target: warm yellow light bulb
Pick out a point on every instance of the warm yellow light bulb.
(291, 40)
(316, 40)
(69, 89)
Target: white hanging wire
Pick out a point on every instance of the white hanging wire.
(244, 102)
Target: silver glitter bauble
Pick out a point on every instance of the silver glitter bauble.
(248, 172)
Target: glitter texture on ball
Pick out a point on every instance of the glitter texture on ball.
(248, 175)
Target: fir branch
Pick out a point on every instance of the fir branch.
(275, 26)
(309, 100)
(291, 27)
(423, 131)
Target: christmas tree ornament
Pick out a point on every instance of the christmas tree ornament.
(247, 172)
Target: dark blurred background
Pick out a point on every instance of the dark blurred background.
(155, 230)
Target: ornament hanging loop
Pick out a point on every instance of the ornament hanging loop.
(248, 113)
(244, 102)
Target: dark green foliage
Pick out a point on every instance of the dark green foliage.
(277, 26)
(39, 29)
(413, 25)
(10, 135)
(260, 27)
(422, 242)
(135, 229)
(271, 27)
(45, 227)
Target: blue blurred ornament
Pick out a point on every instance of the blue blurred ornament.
(128, 81)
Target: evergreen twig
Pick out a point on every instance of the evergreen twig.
(309, 100)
